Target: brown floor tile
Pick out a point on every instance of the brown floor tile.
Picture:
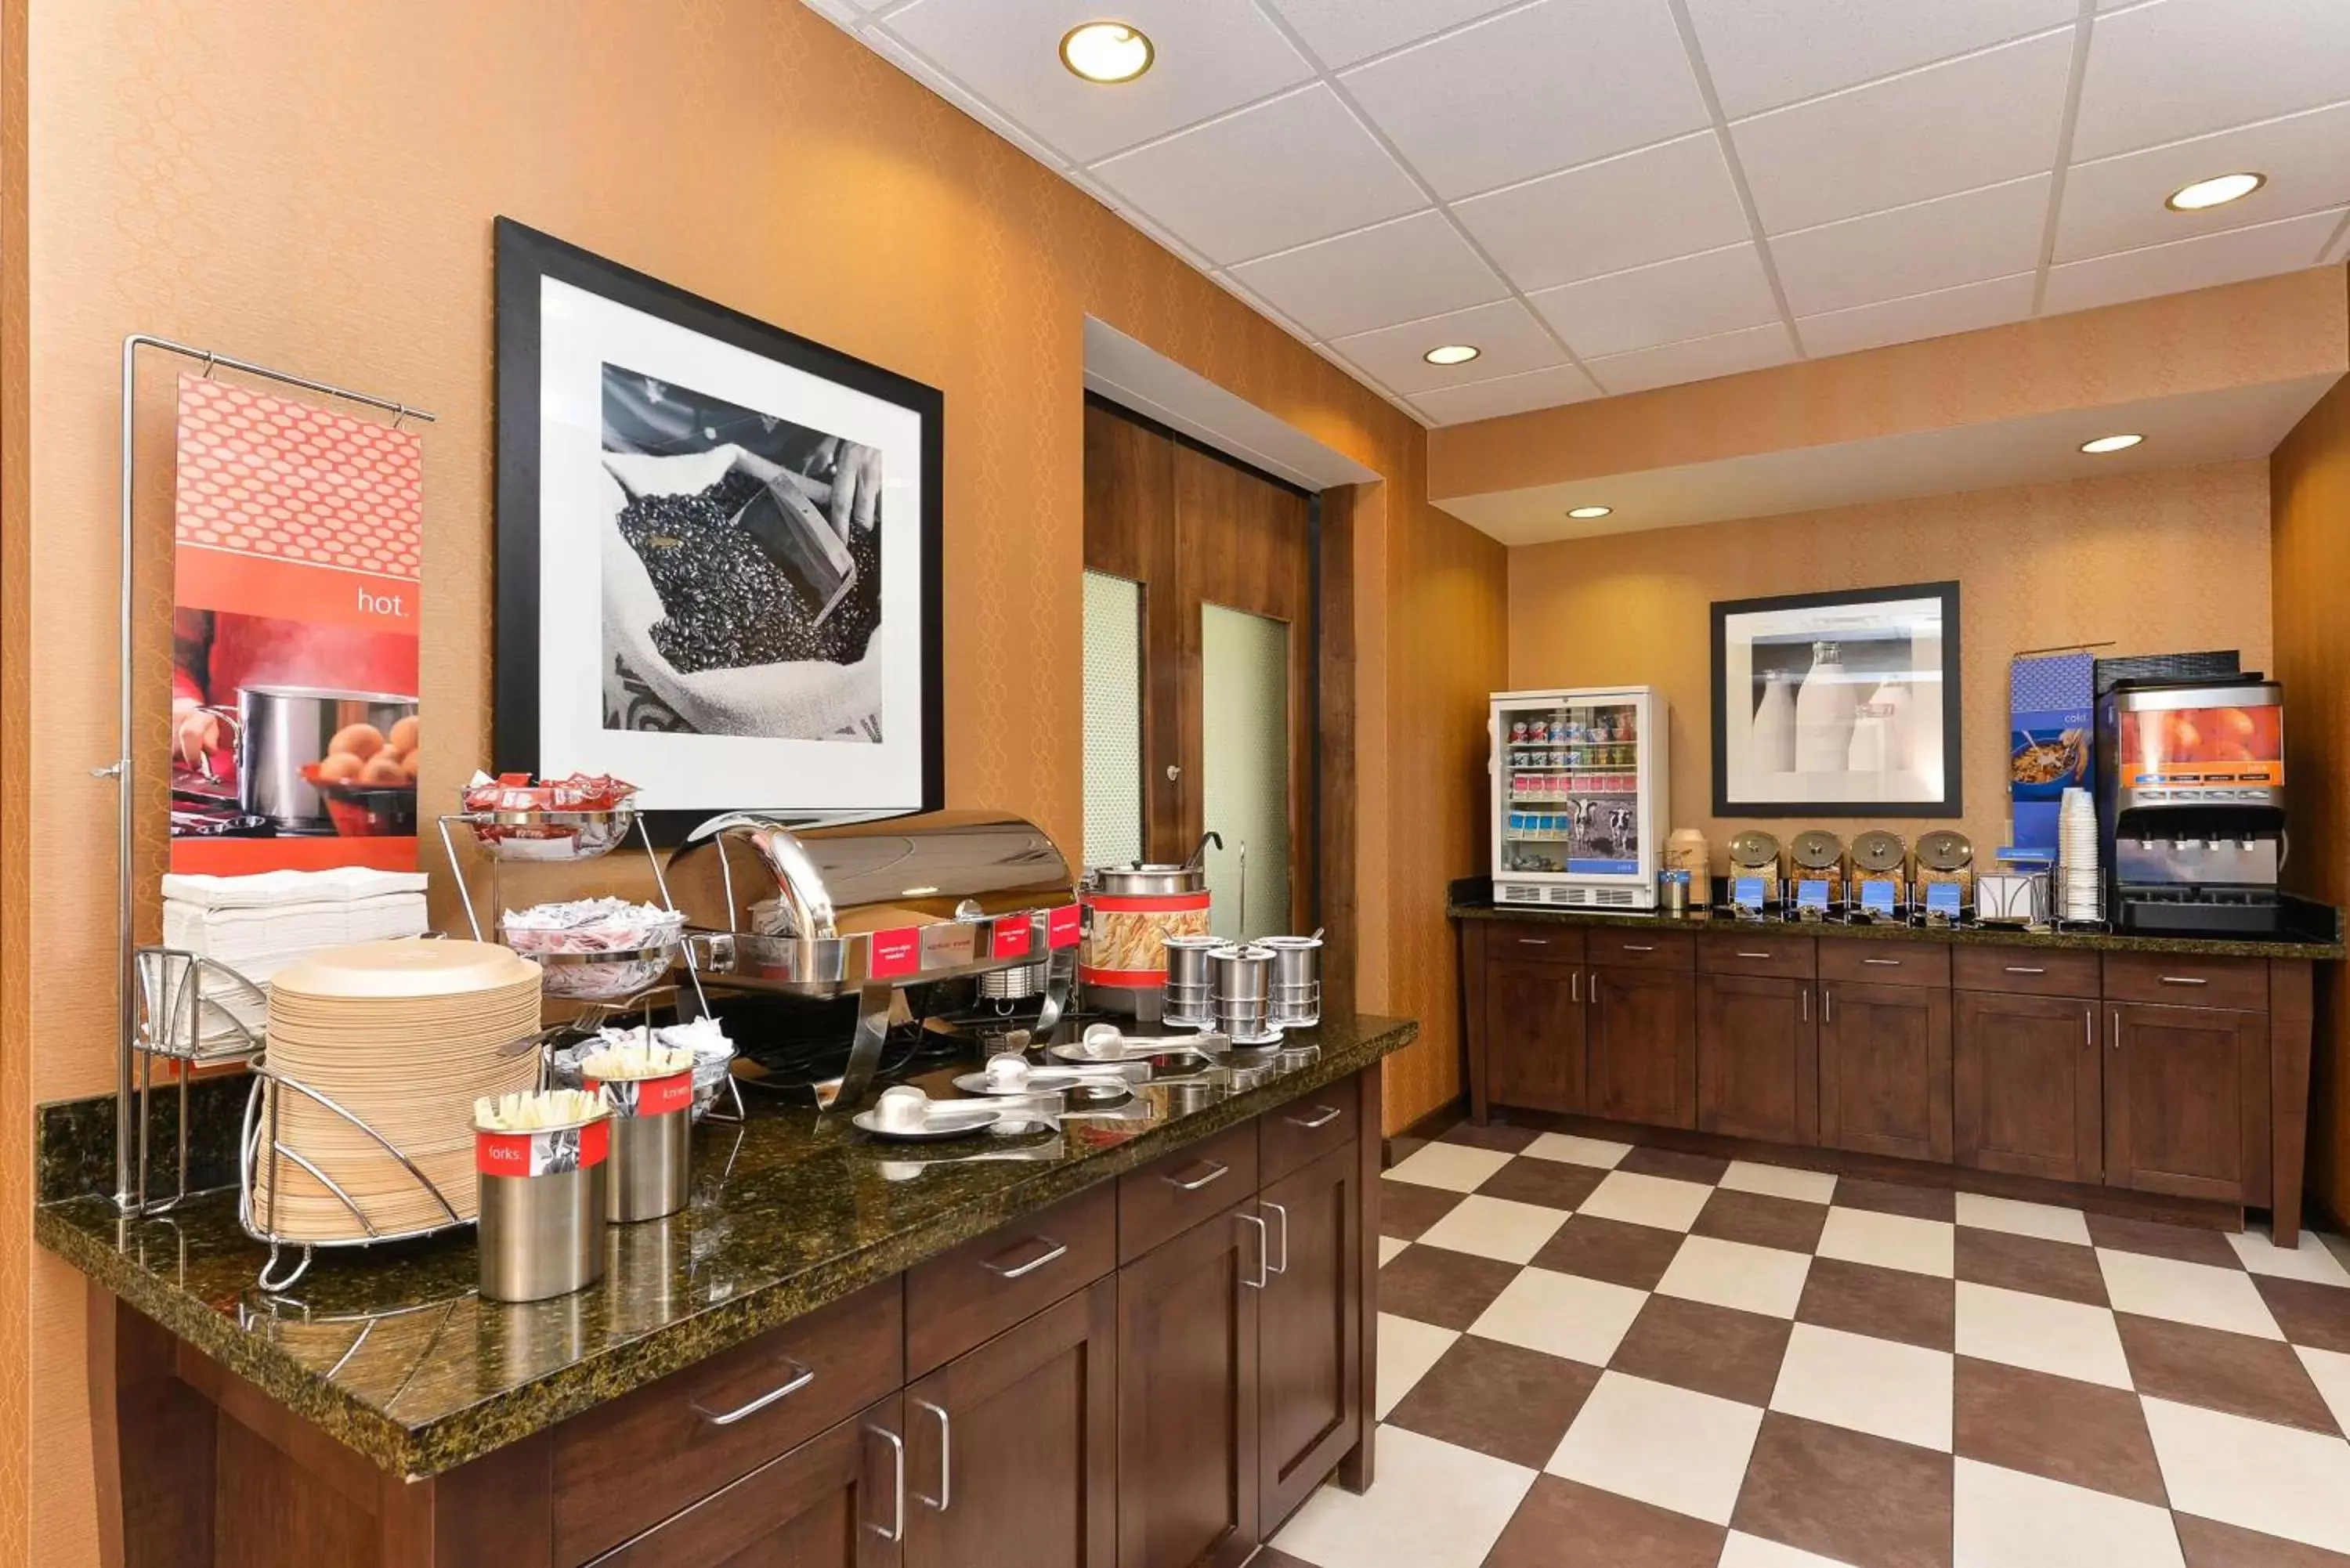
(2315, 1316)
(1406, 1208)
(1499, 1136)
(2233, 1372)
(1861, 1298)
(1562, 1525)
(2057, 1427)
(1498, 1399)
(1712, 1349)
(1847, 1495)
(1429, 1285)
(2185, 1242)
(1761, 1221)
(2028, 1263)
(1548, 1182)
(1610, 1249)
(1898, 1197)
(1702, 1168)
(2210, 1544)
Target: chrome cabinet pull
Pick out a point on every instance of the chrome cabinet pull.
(1052, 1250)
(946, 1499)
(2024, 969)
(1882, 963)
(1281, 1267)
(1638, 948)
(1534, 941)
(2183, 979)
(801, 1376)
(897, 1531)
(1263, 1273)
(2089, 1027)
(1575, 989)
(2117, 1028)
(1754, 955)
(1827, 1005)
(1325, 1115)
(1808, 1004)
(1215, 1173)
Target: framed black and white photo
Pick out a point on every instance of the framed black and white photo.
(1839, 704)
(718, 552)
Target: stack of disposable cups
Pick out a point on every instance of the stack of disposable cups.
(2080, 890)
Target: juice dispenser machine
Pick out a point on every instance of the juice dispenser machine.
(2190, 805)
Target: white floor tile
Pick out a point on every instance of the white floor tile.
(1569, 1150)
(1779, 1181)
(2006, 1519)
(1875, 1385)
(2278, 1480)
(1389, 1247)
(1408, 1348)
(2330, 1370)
(1891, 1241)
(2069, 1339)
(1456, 1168)
(2048, 1222)
(1743, 1551)
(2186, 1293)
(1736, 1274)
(1436, 1506)
(1671, 1446)
(1495, 1228)
(2311, 1260)
(1657, 1200)
(1561, 1315)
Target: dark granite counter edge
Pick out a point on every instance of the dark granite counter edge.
(445, 1444)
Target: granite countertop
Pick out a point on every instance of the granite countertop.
(2305, 944)
(392, 1350)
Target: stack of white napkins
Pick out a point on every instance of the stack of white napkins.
(258, 925)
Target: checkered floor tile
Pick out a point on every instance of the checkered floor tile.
(1594, 1356)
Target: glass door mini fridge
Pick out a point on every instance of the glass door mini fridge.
(1580, 796)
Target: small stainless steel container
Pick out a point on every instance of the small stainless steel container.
(1296, 995)
(652, 1141)
(541, 1230)
(1190, 983)
(1243, 994)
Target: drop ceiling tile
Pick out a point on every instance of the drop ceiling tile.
(1399, 271)
(847, 13)
(2176, 69)
(1269, 178)
(1553, 84)
(1968, 123)
(1508, 395)
(1212, 56)
(1992, 303)
(1623, 211)
(1966, 238)
(2115, 204)
(1506, 332)
(1754, 349)
(923, 71)
(2205, 262)
(1764, 52)
(1341, 32)
(1670, 302)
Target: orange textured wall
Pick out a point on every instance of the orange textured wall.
(311, 186)
(2156, 562)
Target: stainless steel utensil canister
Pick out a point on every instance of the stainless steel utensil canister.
(652, 1128)
(1190, 983)
(1243, 994)
(1296, 995)
(541, 1210)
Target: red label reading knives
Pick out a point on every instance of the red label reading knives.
(896, 953)
(1063, 925)
(648, 1096)
(1012, 938)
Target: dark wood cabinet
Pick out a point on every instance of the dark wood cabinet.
(2187, 1101)
(1188, 1469)
(1309, 1330)
(1641, 1028)
(1885, 1069)
(1534, 1022)
(2027, 1086)
(1011, 1449)
(1758, 1063)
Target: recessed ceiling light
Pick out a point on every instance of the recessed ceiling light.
(1105, 51)
(2214, 193)
(1452, 354)
(1589, 511)
(2111, 443)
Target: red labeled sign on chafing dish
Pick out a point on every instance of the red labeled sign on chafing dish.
(1064, 927)
(1013, 937)
(550, 1152)
(647, 1096)
(897, 953)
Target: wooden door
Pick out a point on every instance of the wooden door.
(834, 1502)
(1187, 1472)
(1641, 1060)
(1011, 1449)
(1309, 1330)
(2186, 1107)
(1885, 1069)
(1534, 1018)
(1758, 1062)
(2027, 1086)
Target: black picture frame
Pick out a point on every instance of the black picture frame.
(524, 256)
(1952, 800)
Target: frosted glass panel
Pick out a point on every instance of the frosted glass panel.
(1244, 765)
(1113, 720)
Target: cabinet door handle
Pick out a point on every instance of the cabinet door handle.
(946, 1499)
(1022, 1271)
(1595, 988)
(2089, 1027)
(1323, 1117)
(897, 1531)
(1827, 1005)
(1264, 1258)
(1638, 948)
(1283, 1266)
(1765, 956)
(2117, 1028)
(801, 1376)
(1808, 1004)
(1534, 941)
(1882, 963)
(1574, 988)
(2025, 969)
(2184, 980)
(1215, 1173)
